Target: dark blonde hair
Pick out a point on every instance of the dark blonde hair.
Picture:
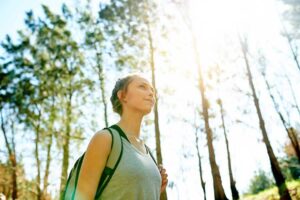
(121, 84)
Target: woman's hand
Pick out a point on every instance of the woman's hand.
(164, 177)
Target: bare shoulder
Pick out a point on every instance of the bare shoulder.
(93, 164)
(104, 134)
(101, 139)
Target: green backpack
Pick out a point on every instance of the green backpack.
(111, 165)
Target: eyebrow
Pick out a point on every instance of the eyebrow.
(144, 83)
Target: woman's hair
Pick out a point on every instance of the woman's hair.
(121, 84)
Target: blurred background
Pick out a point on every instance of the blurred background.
(227, 76)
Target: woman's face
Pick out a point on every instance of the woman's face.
(139, 96)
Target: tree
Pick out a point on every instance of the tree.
(15, 87)
(290, 131)
(278, 176)
(290, 164)
(217, 181)
(97, 31)
(292, 15)
(215, 76)
(53, 64)
(234, 191)
(199, 161)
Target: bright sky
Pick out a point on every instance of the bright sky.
(215, 23)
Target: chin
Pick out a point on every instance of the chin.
(146, 111)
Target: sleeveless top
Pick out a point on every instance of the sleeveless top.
(136, 177)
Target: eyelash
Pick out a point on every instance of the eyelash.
(143, 86)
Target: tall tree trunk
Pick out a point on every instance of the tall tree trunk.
(200, 165)
(295, 141)
(66, 143)
(289, 130)
(163, 195)
(102, 87)
(217, 180)
(47, 168)
(12, 159)
(278, 176)
(38, 164)
(234, 191)
(293, 94)
(49, 145)
(290, 43)
(37, 157)
(293, 51)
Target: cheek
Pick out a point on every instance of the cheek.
(135, 98)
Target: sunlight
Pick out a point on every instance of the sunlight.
(187, 35)
(213, 22)
(215, 15)
(216, 25)
(230, 16)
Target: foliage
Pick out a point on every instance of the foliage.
(292, 14)
(25, 186)
(272, 193)
(290, 167)
(260, 182)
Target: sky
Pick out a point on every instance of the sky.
(13, 13)
(259, 19)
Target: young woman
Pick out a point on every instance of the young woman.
(136, 177)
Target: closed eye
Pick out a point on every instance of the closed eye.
(146, 85)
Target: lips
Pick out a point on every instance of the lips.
(151, 101)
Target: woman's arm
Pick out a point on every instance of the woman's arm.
(92, 165)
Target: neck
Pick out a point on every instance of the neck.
(131, 123)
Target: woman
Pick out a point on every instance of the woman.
(136, 177)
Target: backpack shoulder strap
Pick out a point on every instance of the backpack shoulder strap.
(111, 165)
(112, 161)
(148, 149)
(72, 180)
(116, 150)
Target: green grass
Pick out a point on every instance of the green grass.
(272, 193)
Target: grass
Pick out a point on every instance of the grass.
(272, 193)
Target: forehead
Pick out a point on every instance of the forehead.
(141, 80)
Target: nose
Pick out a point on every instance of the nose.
(151, 94)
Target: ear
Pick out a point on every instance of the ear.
(120, 95)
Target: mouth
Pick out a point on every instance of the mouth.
(149, 100)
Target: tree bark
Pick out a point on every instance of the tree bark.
(159, 158)
(37, 157)
(293, 94)
(47, 168)
(295, 141)
(66, 143)
(234, 191)
(200, 166)
(289, 40)
(278, 176)
(102, 87)
(217, 180)
(49, 145)
(289, 130)
(293, 51)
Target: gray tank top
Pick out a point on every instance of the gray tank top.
(136, 177)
